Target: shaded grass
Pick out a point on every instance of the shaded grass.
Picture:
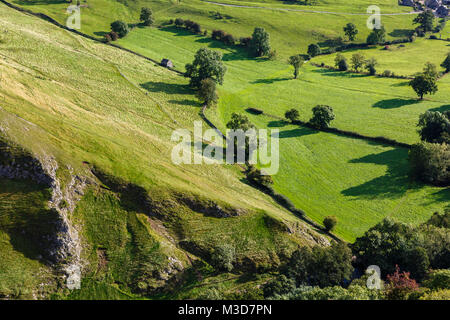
(24, 223)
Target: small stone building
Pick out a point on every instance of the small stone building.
(166, 63)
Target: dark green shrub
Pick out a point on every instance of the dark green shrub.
(330, 223)
(223, 257)
(120, 27)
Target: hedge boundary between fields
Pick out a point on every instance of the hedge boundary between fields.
(349, 134)
(279, 198)
(56, 23)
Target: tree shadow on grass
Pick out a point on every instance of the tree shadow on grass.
(277, 124)
(39, 2)
(29, 224)
(401, 33)
(270, 81)
(440, 196)
(335, 73)
(186, 102)
(394, 103)
(401, 84)
(393, 184)
(179, 32)
(234, 52)
(100, 33)
(172, 88)
(297, 132)
(169, 88)
(441, 108)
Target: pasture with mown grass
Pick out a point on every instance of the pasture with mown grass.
(368, 105)
(402, 59)
(291, 31)
(99, 106)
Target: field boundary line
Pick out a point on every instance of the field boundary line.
(348, 134)
(272, 192)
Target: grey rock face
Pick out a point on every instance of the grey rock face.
(65, 248)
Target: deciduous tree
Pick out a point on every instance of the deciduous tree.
(260, 43)
(296, 61)
(146, 16)
(423, 84)
(207, 64)
(350, 31)
(322, 116)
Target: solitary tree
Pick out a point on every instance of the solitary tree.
(425, 20)
(423, 85)
(350, 31)
(120, 27)
(207, 64)
(223, 257)
(322, 116)
(446, 63)
(296, 61)
(313, 50)
(207, 92)
(432, 125)
(147, 16)
(239, 121)
(260, 43)
(370, 66)
(357, 61)
(430, 70)
(341, 62)
(330, 223)
(377, 36)
(292, 115)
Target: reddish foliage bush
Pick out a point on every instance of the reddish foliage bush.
(400, 285)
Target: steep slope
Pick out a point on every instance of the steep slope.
(86, 130)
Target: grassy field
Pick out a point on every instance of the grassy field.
(81, 101)
(404, 60)
(344, 6)
(291, 32)
(97, 104)
(368, 105)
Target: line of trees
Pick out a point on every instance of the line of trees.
(413, 262)
(188, 25)
(430, 159)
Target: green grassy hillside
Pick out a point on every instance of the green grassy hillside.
(86, 104)
(367, 105)
(24, 219)
(291, 31)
